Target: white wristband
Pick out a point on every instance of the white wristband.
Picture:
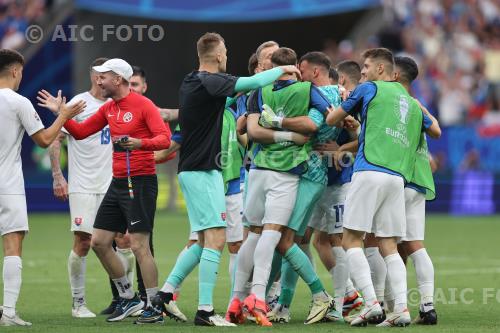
(280, 136)
(279, 122)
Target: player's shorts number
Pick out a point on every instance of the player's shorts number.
(339, 215)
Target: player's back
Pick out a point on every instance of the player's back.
(202, 97)
(90, 159)
(18, 116)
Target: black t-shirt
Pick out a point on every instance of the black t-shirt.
(202, 97)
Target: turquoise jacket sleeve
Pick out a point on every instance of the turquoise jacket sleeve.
(258, 80)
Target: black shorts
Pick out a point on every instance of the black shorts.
(119, 213)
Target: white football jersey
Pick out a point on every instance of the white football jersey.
(17, 115)
(90, 159)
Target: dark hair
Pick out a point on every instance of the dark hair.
(350, 69)
(381, 54)
(333, 75)
(8, 58)
(317, 58)
(265, 45)
(252, 64)
(284, 56)
(208, 42)
(408, 68)
(98, 62)
(138, 71)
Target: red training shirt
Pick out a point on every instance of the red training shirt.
(134, 116)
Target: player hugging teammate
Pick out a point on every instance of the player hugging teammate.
(302, 149)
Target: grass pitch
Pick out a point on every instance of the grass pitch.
(464, 251)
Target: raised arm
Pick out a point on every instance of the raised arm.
(264, 78)
(45, 137)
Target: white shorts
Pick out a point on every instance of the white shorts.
(415, 215)
(270, 197)
(83, 208)
(375, 203)
(328, 215)
(234, 213)
(13, 213)
(234, 229)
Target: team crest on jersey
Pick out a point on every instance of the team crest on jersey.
(223, 216)
(78, 221)
(127, 117)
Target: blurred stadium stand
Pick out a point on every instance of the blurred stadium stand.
(456, 44)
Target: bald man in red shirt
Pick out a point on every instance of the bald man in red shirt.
(137, 130)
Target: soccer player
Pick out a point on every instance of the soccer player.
(138, 84)
(136, 130)
(272, 188)
(264, 53)
(315, 68)
(419, 189)
(89, 175)
(18, 116)
(385, 160)
(203, 96)
(327, 217)
(231, 162)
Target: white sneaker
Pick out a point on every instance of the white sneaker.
(366, 314)
(217, 320)
(172, 310)
(397, 319)
(279, 314)
(81, 311)
(13, 321)
(319, 309)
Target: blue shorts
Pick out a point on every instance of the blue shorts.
(205, 199)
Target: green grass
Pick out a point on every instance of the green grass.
(464, 251)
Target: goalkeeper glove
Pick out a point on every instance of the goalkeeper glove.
(269, 119)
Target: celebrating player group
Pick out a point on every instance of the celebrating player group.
(302, 149)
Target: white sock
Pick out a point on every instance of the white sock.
(307, 250)
(76, 269)
(168, 288)
(275, 290)
(124, 288)
(150, 293)
(340, 275)
(359, 270)
(247, 289)
(388, 296)
(263, 261)
(350, 290)
(396, 272)
(322, 295)
(378, 271)
(424, 270)
(12, 268)
(128, 260)
(244, 265)
(205, 307)
(232, 262)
